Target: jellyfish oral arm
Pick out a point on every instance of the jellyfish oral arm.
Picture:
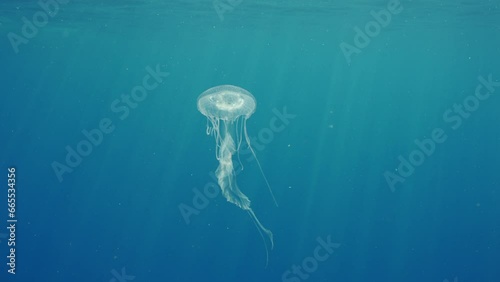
(225, 174)
(227, 182)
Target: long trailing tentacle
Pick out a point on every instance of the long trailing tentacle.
(258, 163)
(259, 227)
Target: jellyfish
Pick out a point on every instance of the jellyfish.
(227, 108)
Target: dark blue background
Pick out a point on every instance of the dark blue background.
(120, 206)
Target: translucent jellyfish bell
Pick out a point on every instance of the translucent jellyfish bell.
(226, 102)
(227, 108)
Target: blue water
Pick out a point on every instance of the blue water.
(339, 164)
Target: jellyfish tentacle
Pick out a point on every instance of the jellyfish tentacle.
(209, 129)
(259, 227)
(239, 138)
(258, 163)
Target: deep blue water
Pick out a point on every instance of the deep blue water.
(332, 125)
